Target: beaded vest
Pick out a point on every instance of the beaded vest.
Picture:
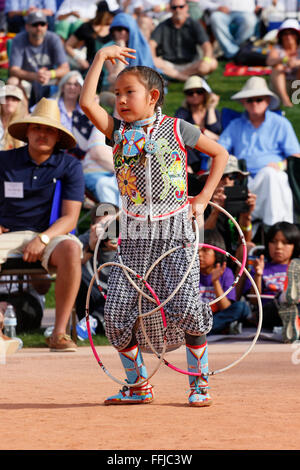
(156, 186)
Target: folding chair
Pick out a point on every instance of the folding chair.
(16, 266)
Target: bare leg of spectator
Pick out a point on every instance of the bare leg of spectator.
(278, 80)
(66, 259)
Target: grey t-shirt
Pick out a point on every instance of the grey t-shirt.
(50, 53)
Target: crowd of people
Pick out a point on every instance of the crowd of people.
(43, 127)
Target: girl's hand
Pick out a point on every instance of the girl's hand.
(198, 205)
(115, 52)
(259, 265)
(217, 272)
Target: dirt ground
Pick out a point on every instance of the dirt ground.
(54, 401)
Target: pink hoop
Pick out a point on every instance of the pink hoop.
(100, 363)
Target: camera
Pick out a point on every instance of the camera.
(236, 197)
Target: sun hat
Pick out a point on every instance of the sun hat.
(65, 78)
(36, 17)
(257, 86)
(195, 82)
(290, 23)
(232, 166)
(46, 113)
(11, 90)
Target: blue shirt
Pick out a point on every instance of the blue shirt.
(32, 211)
(206, 288)
(15, 5)
(273, 141)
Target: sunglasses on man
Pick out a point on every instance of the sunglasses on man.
(40, 23)
(179, 7)
(255, 100)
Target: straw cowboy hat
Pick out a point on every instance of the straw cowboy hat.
(257, 86)
(46, 113)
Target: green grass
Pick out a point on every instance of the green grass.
(36, 339)
(225, 87)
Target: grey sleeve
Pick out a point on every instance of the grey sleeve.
(189, 133)
(117, 124)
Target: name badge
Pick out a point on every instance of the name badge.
(12, 189)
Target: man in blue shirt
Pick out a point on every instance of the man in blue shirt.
(38, 56)
(265, 140)
(28, 177)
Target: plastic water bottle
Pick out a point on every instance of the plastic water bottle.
(10, 322)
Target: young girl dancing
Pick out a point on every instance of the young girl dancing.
(150, 164)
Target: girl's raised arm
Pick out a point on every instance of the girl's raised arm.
(94, 111)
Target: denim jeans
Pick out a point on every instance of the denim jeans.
(232, 29)
(238, 311)
(104, 186)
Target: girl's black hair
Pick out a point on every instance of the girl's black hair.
(150, 78)
(291, 233)
(214, 238)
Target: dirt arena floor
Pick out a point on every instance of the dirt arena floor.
(54, 401)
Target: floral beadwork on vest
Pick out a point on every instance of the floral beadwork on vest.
(158, 188)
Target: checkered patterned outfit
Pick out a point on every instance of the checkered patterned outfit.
(143, 242)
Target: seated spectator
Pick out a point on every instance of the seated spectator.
(92, 35)
(24, 86)
(264, 139)
(215, 219)
(12, 107)
(199, 108)
(71, 14)
(126, 32)
(96, 157)
(98, 168)
(71, 115)
(285, 61)
(28, 178)
(148, 13)
(106, 253)
(38, 56)
(215, 279)
(275, 275)
(18, 10)
(232, 23)
(175, 45)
